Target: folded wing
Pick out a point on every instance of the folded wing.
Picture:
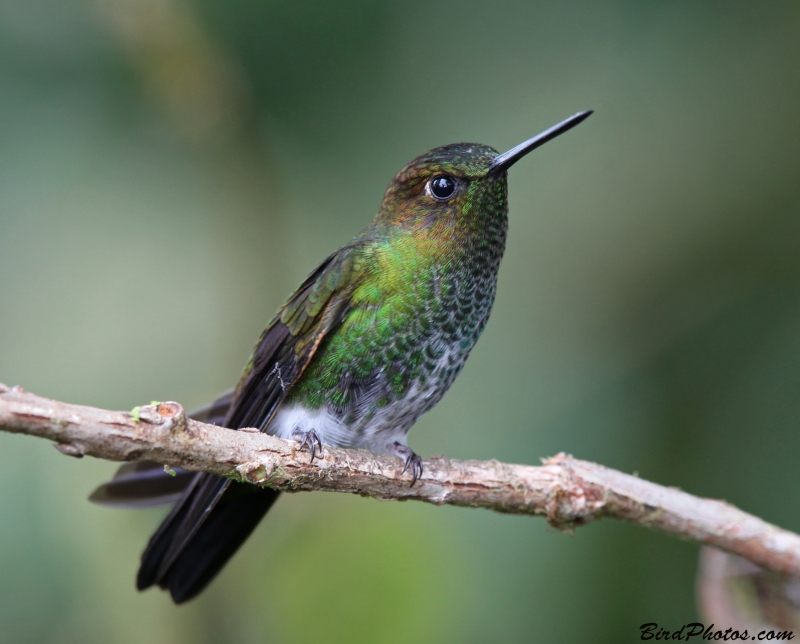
(213, 516)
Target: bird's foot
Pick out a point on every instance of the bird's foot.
(309, 439)
(412, 460)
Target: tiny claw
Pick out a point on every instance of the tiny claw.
(310, 439)
(411, 460)
(414, 462)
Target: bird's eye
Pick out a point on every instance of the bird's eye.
(442, 187)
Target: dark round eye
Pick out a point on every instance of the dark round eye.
(442, 187)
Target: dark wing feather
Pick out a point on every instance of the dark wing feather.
(215, 515)
(289, 343)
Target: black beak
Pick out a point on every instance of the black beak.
(507, 159)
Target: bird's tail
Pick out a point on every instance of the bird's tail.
(211, 518)
(202, 532)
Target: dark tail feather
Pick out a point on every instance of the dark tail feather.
(201, 533)
(142, 484)
(194, 509)
(163, 538)
(227, 528)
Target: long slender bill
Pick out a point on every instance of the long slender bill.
(507, 159)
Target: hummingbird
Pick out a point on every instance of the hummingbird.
(371, 340)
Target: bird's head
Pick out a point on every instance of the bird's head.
(457, 183)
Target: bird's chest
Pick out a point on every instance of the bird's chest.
(366, 389)
(393, 358)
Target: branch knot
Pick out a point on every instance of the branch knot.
(169, 415)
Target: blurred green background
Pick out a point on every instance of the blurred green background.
(169, 171)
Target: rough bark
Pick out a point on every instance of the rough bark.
(567, 491)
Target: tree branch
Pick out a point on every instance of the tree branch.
(569, 492)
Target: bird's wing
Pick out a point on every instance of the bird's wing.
(289, 343)
(191, 545)
(145, 483)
